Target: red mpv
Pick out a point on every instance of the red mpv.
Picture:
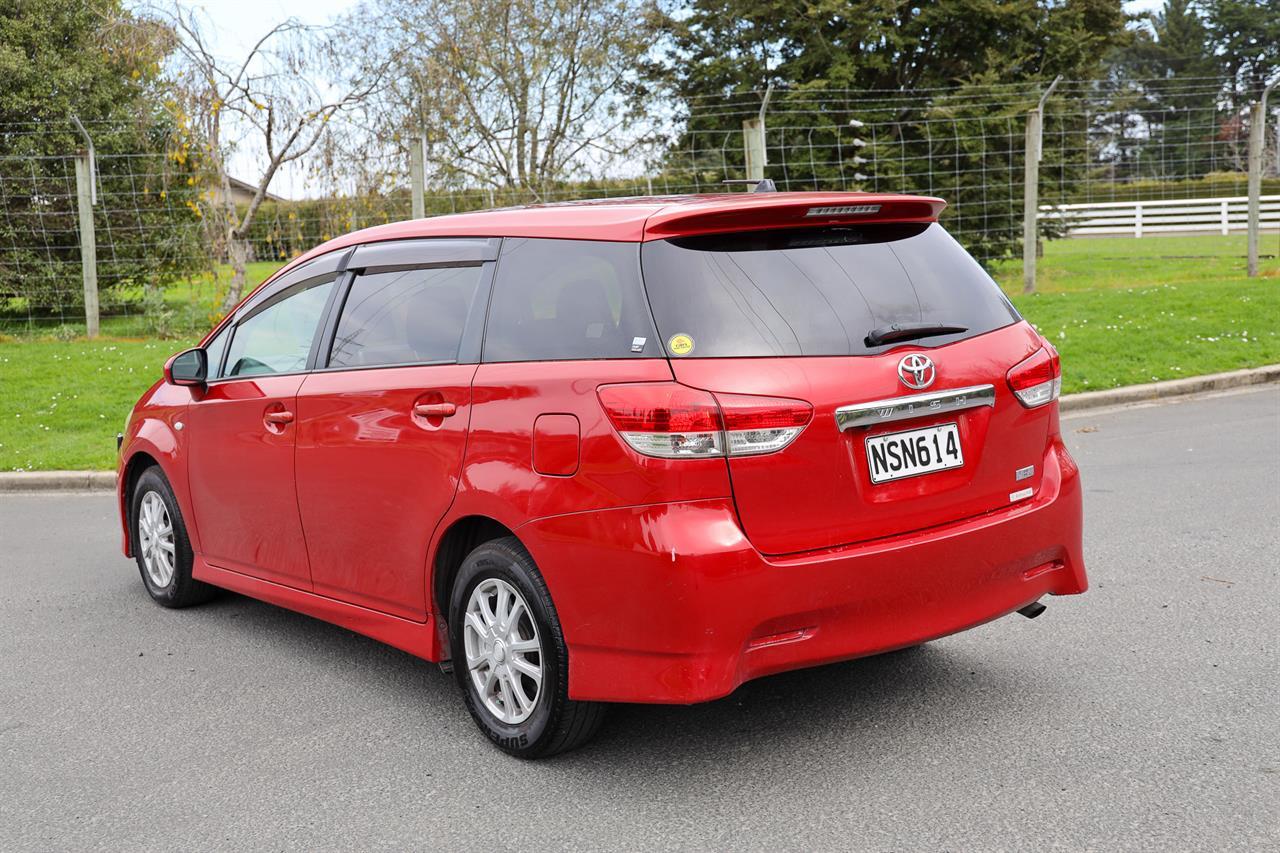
(624, 451)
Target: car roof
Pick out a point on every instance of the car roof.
(653, 217)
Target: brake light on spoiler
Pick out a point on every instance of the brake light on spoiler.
(790, 210)
(673, 421)
(843, 210)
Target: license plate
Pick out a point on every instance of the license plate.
(915, 451)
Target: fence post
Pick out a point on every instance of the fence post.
(1257, 131)
(1031, 190)
(753, 149)
(86, 197)
(1030, 201)
(1137, 220)
(417, 179)
(1225, 217)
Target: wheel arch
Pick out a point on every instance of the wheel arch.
(138, 462)
(463, 536)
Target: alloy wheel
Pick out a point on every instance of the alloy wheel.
(503, 650)
(155, 539)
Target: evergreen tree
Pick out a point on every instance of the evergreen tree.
(1245, 35)
(1168, 85)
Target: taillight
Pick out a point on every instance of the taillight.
(665, 419)
(673, 421)
(755, 425)
(1037, 379)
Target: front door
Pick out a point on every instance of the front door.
(241, 432)
(382, 432)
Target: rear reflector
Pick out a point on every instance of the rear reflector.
(673, 421)
(1037, 379)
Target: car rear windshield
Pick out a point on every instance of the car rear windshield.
(815, 291)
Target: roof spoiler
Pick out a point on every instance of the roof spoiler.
(781, 211)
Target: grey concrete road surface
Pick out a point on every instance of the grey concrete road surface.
(1142, 715)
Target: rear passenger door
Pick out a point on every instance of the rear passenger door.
(382, 422)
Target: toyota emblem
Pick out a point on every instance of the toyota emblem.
(916, 371)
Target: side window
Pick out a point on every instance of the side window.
(215, 348)
(405, 317)
(276, 337)
(568, 299)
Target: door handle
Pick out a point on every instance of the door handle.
(278, 417)
(435, 410)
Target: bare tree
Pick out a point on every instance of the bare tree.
(509, 93)
(278, 101)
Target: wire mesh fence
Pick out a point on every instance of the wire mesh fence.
(161, 266)
(147, 226)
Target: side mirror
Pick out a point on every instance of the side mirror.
(189, 367)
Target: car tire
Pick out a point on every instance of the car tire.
(160, 544)
(503, 626)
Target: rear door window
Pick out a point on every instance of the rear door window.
(815, 291)
(555, 300)
(413, 316)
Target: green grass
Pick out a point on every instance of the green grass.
(1120, 311)
(1091, 264)
(62, 402)
(1115, 337)
(1124, 311)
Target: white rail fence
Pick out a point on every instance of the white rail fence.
(1163, 216)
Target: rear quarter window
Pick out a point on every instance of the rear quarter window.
(556, 300)
(815, 292)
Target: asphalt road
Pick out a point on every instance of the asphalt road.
(1144, 714)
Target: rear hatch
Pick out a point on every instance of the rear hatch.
(929, 429)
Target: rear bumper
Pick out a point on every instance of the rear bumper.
(670, 603)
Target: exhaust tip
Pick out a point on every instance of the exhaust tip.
(1032, 610)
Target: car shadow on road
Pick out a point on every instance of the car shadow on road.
(893, 703)
(873, 700)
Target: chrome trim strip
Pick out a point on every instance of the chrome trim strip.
(914, 406)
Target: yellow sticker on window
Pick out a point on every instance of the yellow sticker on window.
(680, 344)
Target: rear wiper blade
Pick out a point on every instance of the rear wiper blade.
(896, 332)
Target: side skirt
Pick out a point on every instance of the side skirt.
(416, 638)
